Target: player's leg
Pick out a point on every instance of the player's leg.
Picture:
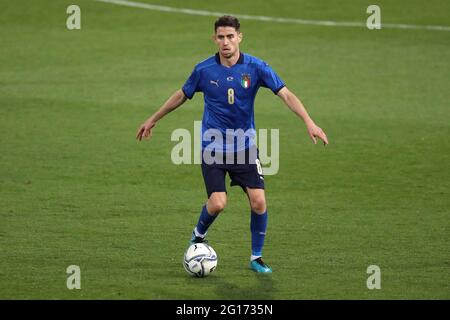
(250, 177)
(216, 203)
(214, 178)
(258, 227)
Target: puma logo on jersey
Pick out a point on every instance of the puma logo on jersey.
(214, 82)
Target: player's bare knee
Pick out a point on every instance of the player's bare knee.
(216, 204)
(258, 204)
(216, 207)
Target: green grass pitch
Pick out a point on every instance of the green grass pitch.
(76, 188)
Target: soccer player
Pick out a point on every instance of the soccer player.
(229, 81)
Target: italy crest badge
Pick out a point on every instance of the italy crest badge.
(245, 81)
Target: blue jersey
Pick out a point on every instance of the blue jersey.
(229, 94)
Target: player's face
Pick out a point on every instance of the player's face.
(227, 40)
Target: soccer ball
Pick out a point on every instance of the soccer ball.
(200, 260)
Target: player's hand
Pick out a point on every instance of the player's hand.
(316, 132)
(145, 130)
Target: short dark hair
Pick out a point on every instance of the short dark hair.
(227, 21)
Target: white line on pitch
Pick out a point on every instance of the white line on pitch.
(270, 19)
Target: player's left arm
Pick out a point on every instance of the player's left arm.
(297, 107)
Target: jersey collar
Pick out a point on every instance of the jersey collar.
(240, 60)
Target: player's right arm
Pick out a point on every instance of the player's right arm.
(176, 100)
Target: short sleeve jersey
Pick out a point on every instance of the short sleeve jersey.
(229, 95)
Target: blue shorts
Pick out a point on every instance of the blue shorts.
(247, 174)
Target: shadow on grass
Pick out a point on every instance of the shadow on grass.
(256, 287)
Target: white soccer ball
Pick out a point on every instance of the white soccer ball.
(200, 260)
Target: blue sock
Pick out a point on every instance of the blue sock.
(258, 226)
(205, 221)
